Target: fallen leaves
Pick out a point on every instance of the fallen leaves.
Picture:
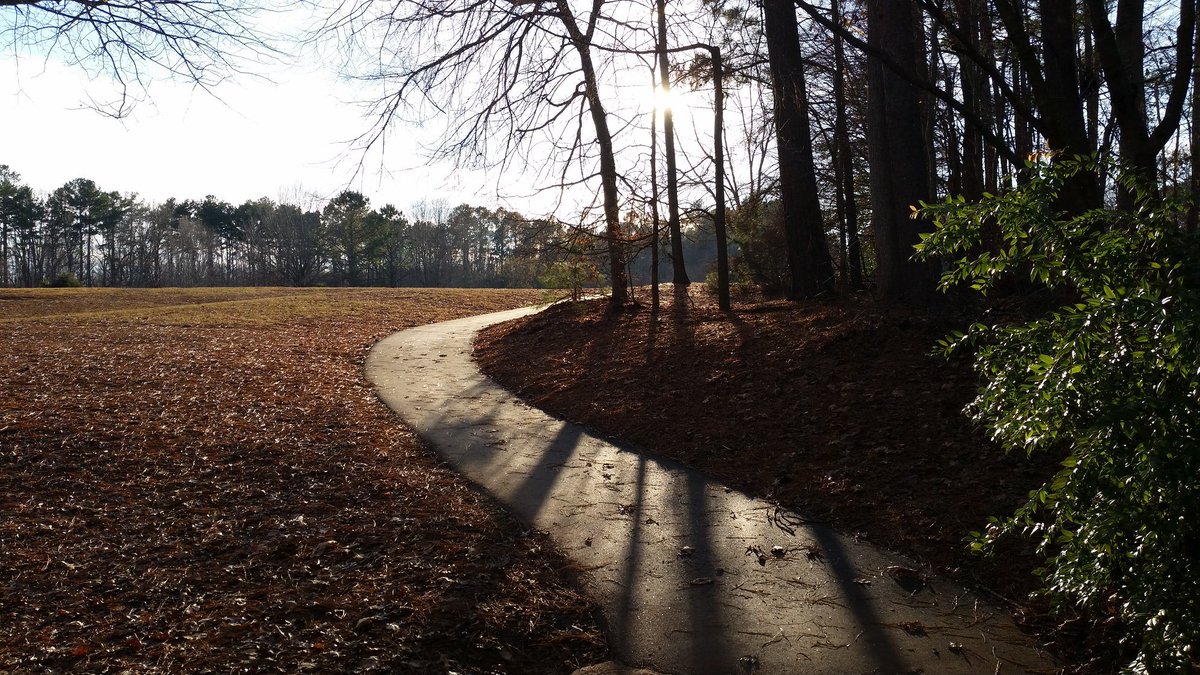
(837, 410)
(186, 489)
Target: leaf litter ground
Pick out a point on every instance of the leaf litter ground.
(839, 410)
(200, 480)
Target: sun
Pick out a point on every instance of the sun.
(660, 99)
(664, 99)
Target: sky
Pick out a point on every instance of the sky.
(256, 137)
(282, 135)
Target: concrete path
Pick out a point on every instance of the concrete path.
(693, 577)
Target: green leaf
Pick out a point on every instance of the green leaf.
(1124, 402)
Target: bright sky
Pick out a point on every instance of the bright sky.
(279, 136)
(262, 139)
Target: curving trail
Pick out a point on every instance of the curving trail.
(693, 577)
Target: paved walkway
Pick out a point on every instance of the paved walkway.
(693, 577)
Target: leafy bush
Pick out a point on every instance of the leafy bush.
(1113, 378)
(757, 230)
(63, 280)
(575, 275)
(741, 279)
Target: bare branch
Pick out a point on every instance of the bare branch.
(132, 41)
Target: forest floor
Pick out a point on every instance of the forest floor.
(839, 410)
(202, 480)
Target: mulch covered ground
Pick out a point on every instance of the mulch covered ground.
(204, 481)
(840, 410)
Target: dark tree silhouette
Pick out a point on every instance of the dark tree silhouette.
(898, 154)
(544, 84)
(808, 254)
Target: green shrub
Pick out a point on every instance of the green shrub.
(62, 280)
(757, 230)
(575, 275)
(1113, 378)
(741, 279)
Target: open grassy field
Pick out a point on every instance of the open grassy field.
(202, 480)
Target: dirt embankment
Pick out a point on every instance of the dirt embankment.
(840, 410)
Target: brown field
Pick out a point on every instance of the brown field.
(202, 480)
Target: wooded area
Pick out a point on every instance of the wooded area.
(81, 233)
(952, 97)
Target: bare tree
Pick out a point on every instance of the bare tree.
(1121, 49)
(719, 214)
(516, 84)
(850, 249)
(134, 41)
(679, 275)
(654, 220)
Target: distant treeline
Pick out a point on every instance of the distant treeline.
(80, 232)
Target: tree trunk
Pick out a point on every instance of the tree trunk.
(1193, 214)
(927, 65)
(1129, 94)
(679, 275)
(808, 254)
(972, 83)
(719, 166)
(844, 165)
(1091, 89)
(654, 223)
(1121, 52)
(1022, 131)
(954, 162)
(1065, 103)
(991, 104)
(4, 253)
(88, 235)
(608, 165)
(1054, 82)
(899, 177)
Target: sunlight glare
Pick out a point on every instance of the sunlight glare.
(661, 99)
